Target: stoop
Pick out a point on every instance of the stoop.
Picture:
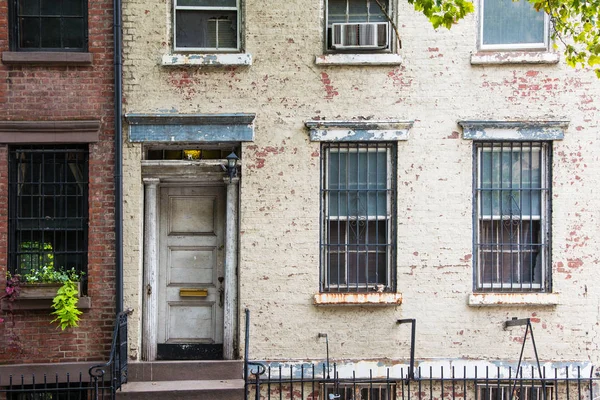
(182, 380)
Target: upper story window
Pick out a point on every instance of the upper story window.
(512, 25)
(48, 208)
(358, 224)
(512, 188)
(207, 25)
(358, 25)
(41, 25)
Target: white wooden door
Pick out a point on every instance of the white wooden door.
(190, 298)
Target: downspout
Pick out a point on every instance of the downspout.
(118, 101)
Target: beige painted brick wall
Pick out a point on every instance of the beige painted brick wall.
(435, 86)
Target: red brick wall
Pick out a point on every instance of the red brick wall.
(60, 93)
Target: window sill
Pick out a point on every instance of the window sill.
(357, 299)
(84, 303)
(359, 59)
(513, 299)
(47, 58)
(513, 57)
(208, 60)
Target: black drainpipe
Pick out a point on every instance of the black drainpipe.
(118, 71)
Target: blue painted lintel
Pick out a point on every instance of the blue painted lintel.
(514, 130)
(200, 128)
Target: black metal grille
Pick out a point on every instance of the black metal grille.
(48, 203)
(50, 25)
(358, 227)
(512, 203)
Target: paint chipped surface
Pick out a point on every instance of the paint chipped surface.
(353, 299)
(209, 60)
(513, 299)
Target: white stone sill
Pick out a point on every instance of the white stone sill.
(513, 57)
(207, 60)
(513, 299)
(358, 59)
(357, 299)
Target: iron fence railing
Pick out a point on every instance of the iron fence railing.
(328, 381)
(99, 383)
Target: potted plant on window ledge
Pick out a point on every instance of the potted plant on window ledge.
(41, 282)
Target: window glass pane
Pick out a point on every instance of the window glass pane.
(358, 182)
(51, 33)
(511, 22)
(336, 11)
(50, 7)
(200, 29)
(72, 7)
(357, 11)
(207, 3)
(29, 7)
(376, 14)
(29, 33)
(73, 33)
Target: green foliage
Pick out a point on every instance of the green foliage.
(575, 23)
(443, 12)
(65, 306)
(47, 274)
(35, 255)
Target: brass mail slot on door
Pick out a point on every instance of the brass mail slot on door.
(193, 292)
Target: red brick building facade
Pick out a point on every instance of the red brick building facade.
(57, 99)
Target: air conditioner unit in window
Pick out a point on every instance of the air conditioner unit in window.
(367, 35)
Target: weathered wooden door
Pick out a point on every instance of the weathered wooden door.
(190, 298)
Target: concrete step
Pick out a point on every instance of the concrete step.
(153, 371)
(230, 389)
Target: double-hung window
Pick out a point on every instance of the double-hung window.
(48, 208)
(358, 217)
(358, 25)
(207, 25)
(512, 25)
(49, 25)
(512, 194)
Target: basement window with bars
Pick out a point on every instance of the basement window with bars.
(48, 208)
(207, 25)
(57, 25)
(362, 391)
(522, 390)
(512, 190)
(358, 214)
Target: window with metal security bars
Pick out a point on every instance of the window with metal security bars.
(358, 25)
(522, 390)
(357, 240)
(512, 216)
(57, 25)
(354, 391)
(48, 208)
(206, 25)
(512, 25)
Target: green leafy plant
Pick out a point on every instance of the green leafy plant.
(65, 306)
(47, 274)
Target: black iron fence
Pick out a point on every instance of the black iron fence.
(312, 382)
(45, 382)
(272, 381)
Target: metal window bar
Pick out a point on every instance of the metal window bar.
(358, 216)
(504, 229)
(48, 208)
(35, 11)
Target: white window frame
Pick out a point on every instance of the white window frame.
(544, 218)
(389, 219)
(391, 11)
(513, 46)
(237, 9)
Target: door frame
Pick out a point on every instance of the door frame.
(160, 173)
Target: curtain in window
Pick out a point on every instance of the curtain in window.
(511, 22)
